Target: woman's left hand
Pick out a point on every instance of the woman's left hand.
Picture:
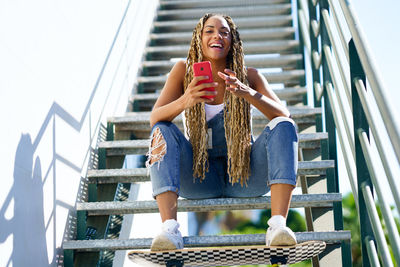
(233, 84)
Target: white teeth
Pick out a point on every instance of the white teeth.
(216, 45)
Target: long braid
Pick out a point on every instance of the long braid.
(236, 113)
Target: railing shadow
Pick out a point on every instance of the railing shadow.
(28, 226)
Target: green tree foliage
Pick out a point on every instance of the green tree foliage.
(294, 221)
(351, 222)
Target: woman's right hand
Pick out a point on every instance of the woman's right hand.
(194, 94)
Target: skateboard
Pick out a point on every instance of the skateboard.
(237, 255)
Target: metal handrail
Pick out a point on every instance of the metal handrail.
(373, 256)
(345, 146)
(340, 32)
(385, 209)
(337, 94)
(348, 124)
(378, 140)
(392, 123)
(376, 226)
(344, 78)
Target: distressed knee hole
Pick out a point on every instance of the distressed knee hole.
(157, 148)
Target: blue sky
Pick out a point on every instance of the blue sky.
(379, 21)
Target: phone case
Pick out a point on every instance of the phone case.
(204, 69)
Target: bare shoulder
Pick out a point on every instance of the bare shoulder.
(253, 76)
(179, 68)
(176, 77)
(252, 71)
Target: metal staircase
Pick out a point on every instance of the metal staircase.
(270, 44)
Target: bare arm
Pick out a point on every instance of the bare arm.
(258, 93)
(172, 101)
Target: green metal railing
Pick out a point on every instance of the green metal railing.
(340, 70)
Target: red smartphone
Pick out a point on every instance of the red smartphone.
(204, 69)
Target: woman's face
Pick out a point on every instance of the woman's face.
(216, 38)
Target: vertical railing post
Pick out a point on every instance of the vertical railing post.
(360, 123)
(301, 64)
(315, 69)
(331, 152)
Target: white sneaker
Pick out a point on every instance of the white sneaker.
(170, 237)
(280, 236)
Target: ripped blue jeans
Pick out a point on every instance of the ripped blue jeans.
(273, 160)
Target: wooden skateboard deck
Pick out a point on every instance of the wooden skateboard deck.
(238, 255)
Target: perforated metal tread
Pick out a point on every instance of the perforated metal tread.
(133, 118)
(282, 33)
(232, 255)
(242, 23)
(272, 77)
(287, 94)
(275, 46)
(212, 3)
(141, 146)
(138, 175)
(210, 204)
(330, 237)
(257, 60)
(236, 11)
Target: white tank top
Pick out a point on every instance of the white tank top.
(212, 110)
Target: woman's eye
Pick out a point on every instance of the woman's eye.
(209, 31)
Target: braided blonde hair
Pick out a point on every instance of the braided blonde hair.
(236, 111)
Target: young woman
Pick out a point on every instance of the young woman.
(219, 158)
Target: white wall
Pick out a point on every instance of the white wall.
(52, 93)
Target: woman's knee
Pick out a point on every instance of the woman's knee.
(281, 121)
(158, 144)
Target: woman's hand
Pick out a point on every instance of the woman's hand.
(233, 85)
(194, 93)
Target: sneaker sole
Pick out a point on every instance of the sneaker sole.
(283, 238)
(162, 243)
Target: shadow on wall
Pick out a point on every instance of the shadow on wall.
(27, 225)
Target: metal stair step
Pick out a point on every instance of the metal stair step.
(147, 100)
(138, 175)
(275, 46)
(139, 122)
(332, 237)
(198, 205)
(242, 23)
(212, 3)
(283, 94)
(286, 76)
(140, 147)
(245, 35)
(238, 11)
(157, 67)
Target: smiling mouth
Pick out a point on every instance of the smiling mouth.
(217, 46)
